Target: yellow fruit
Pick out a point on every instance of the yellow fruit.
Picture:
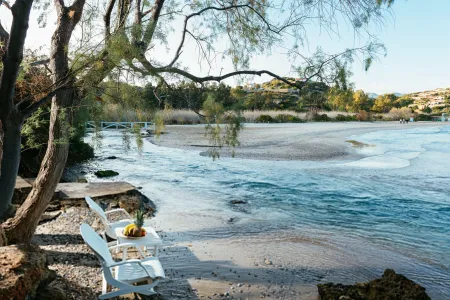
(128, 229)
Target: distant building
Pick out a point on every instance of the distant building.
(437, 103)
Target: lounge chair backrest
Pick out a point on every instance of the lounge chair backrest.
(96, 243)
(97, 209)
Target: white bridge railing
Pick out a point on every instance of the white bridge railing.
(92, 126)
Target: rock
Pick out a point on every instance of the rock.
(268, 262)
(53, 207)
(238, 202)
(50, 215)
(106, 173)
(23, 270)
(2, 237)
(82, 180)
(50, 293)
(390, 286)
(21, 190)
(133, 203)
(112, 157)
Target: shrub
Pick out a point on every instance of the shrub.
(264, 119)
(321, 118)
(286, 118)
(423, 117)
(343, 118)
(363, 116)
(400, 113)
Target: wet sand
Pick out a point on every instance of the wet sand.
(306, 141)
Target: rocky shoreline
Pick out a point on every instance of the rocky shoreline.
(109, 194)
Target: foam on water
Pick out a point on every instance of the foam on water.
(393, 206)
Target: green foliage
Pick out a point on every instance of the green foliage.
(322, 118)
(346, 118)
(35, 129)
(287, 118)
(35, 139)
(360, 101)
(403, 102)
(427, 110)
(423, 117)
(222, 127)
(140, 218)
(265, 119)
(384, 103)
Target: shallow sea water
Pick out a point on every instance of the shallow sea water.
(390, 209)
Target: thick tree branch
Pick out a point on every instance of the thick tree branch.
(151, 27)
(137, 13)
(59, 4)
(107, 18)
(225, 76)
(29, 110)
(14, 55)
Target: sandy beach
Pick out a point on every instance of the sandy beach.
(306, 141)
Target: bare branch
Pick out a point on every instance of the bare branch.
(186, 19)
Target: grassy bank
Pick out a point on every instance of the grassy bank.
(187, 117)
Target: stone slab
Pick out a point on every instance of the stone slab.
(74, 190)
(22, 183)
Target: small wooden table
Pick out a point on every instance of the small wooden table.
(150, 240)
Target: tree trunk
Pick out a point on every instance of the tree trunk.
(1, 147)
(21, 228)
(10, 163)
(10, 118)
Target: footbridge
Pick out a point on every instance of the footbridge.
(91, 126)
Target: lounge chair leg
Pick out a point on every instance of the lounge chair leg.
(104, 285)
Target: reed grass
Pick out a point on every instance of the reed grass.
(115, 113)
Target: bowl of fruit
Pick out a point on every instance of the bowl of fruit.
(135, 230)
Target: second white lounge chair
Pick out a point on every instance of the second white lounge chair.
(103, 215)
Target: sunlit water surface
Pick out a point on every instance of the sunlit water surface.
(396, 200)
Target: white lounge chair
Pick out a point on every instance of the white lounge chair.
(122, 275)
(103, 215)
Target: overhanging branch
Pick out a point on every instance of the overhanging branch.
(26, 112)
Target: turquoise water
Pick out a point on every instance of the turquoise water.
(393, 204)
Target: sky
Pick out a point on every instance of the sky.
(416, 35)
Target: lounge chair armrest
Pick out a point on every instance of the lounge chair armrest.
(128, 245)
(131, 261)
(118, 210)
